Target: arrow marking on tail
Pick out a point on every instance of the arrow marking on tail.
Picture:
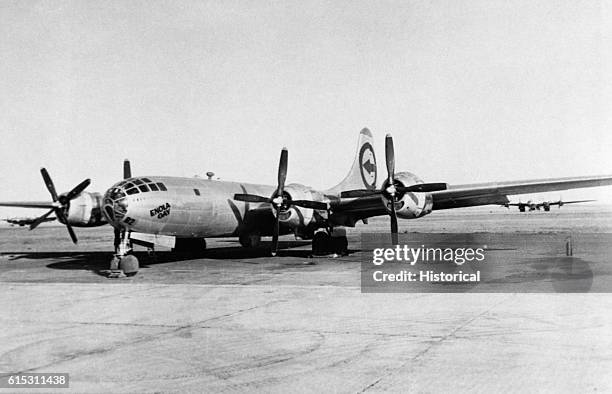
(367, 161)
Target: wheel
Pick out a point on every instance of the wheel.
(250, 240)
(340, 245)
(190, 246)
(129, 265)
(114, 264)
(321, 243)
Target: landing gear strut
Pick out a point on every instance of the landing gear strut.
(123, 260)
(330, 242)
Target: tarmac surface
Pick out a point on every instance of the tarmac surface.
(237, 320)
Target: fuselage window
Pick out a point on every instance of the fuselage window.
(196, 191)
(161, 186)
(132, 191)
(143, 188)
(153, 187)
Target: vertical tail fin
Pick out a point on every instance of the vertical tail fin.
(363, 173)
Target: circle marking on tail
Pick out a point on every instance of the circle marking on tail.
(367, 161)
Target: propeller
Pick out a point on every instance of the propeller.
(60, 203)
(280, 200)
(393, 191)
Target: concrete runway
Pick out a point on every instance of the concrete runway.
(238, 321)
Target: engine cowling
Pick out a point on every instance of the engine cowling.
(85, 210)
(409, 205)
(297, 216)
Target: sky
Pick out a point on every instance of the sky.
(472, 91)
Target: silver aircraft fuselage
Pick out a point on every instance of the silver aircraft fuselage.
(181, 207)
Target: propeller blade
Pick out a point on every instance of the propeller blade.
(127, 169)
(276, 232)
(310, 204)
(77, 189)
(62, 218)
(40, 219)
(423, 187)
(282, 171)
(394, 229)
(72, 234)
(49, 183)
(390, 158)
(250, 198)
(359, 193)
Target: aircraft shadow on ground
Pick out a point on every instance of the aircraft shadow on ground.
(99, 261)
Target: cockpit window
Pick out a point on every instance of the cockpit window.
(147, 180)
(153, 187)
(161, 186)
(129, 185)
(137, 181)
(116, 193)
(143, 188)
(132, 191)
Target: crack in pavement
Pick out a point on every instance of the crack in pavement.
(144, 339)
(435, 343)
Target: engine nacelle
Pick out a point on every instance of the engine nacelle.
(85, 210)
(298, 216)
(410, 205)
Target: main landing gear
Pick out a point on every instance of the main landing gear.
(123, 261)
(330, 242)
(250, 239)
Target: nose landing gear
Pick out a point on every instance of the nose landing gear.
(123, 262)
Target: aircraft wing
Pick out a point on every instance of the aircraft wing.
(29, 204)
(495, 193)
(469, 195)
(569, 202)
(27, 221)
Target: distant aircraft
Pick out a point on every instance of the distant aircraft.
(522, 206)
(181, 212)
(25, 221)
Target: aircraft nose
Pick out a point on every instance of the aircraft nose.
(115, 204)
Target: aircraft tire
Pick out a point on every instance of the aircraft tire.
(129, 265)
(250, 240)
(190, 246)
(323, 244)
(340, 245)
(320, 243)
